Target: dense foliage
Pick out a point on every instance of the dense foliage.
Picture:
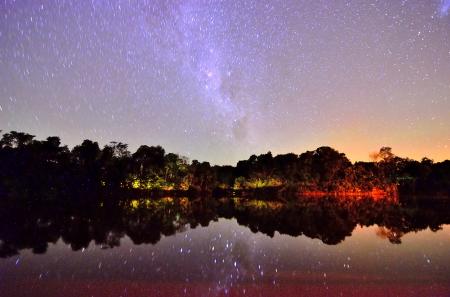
(29, 165)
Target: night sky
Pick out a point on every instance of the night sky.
(221, 80)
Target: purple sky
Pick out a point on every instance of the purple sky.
(220, 80)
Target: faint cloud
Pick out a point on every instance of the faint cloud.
(240, 128)
(444, 7)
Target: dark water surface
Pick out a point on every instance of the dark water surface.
(179, 248)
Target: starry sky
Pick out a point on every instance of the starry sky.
(221, 80)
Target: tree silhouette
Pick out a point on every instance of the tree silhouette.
(27, 164)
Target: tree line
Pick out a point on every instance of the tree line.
(30, 165)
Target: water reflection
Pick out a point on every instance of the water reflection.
(146, 221)
(223, 247)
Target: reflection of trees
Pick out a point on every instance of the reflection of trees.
(392, 235)
(323, 220)
(105, 222)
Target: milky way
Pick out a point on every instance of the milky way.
(220, 80)
(445, 6)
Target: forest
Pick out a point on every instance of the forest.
(31, 167)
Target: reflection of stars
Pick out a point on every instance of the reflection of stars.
(235, 261)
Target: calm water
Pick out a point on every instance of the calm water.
(238, 251)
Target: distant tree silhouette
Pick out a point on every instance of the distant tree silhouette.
(27, 164)
(148, 161)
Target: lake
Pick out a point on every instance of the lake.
(231, 247)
